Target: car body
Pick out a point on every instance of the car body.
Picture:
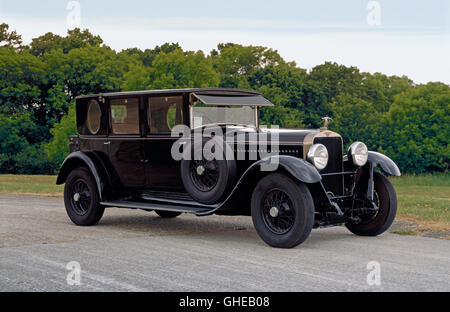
(127, 155)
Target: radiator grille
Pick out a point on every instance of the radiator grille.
(333, 183)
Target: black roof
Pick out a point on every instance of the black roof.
(211, 91)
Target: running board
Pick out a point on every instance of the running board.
(155, 206)
(178, 202)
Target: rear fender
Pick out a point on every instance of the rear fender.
(90, 161)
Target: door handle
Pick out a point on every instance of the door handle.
(107, 143)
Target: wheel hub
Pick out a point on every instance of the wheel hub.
(200, 170)
(274, 212)
(76, 197)
(278, 213)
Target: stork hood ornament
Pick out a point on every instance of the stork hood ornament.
(326, 122)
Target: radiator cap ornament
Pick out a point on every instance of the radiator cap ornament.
(326, 122)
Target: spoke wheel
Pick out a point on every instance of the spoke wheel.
(208, 176)
(278, 212)
(204, 174)
(282, 210)
(81, 197)
(374, 222)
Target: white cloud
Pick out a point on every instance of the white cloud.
(423, 56)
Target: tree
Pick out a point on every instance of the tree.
(19, 146)
(417, 129)
(137, 78)
(381, 89)
(148, 55)
(355, 119)
(234, 62)
(22, 80)
(87, 70)
(75, 39)
(8, 38)
(182, 70)
(58, 148)
(323, 84)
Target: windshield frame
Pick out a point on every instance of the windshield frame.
(255, 125)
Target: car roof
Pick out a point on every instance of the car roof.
(212, 91)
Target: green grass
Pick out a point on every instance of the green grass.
(405, 232)
(30, 184)
(424, 198)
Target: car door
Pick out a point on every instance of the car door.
(163, 113)
(125, 142)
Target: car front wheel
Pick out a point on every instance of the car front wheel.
(81, 198)
(372, 222)
(282, 211)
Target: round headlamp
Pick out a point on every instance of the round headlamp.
(358, 153)
(318, 156)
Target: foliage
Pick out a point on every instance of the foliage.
(19, 147)
(58, 148)
(417, 129)
(75, 39)
(38, 83)
(355, 119)
(182, 70)
(8, 38)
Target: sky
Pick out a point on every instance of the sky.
(395, 37)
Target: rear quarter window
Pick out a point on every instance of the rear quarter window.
(94, 117)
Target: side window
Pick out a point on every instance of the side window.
(125, 116)
(94, 116)
(164, 113)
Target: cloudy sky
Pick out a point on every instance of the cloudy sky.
(396, 37)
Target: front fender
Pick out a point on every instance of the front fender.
(298, 168)
(88, 160)
(379, 160)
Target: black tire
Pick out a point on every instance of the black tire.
(167, 214)
(376, 224)
(214, 183)
(83, 209)
(295, 210)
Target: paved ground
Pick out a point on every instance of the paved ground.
(132, 250)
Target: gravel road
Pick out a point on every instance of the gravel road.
(132, 250)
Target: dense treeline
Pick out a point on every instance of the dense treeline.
(39, 82)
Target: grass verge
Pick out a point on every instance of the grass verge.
(424, 200)
(42, 185)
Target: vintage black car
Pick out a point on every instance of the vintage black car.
(127, 155)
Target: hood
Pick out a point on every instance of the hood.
(285, 136)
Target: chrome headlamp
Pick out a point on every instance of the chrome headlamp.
(358, 153)
(318, 156)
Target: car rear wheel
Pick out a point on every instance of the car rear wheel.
(81, 198)
(372, 222)
(167, 214)
(282, 211)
